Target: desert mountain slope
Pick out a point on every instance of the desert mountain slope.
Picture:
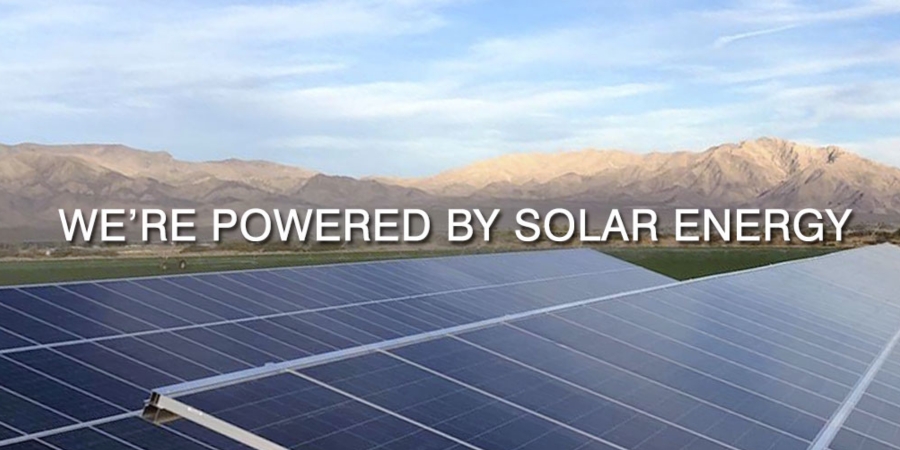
(763, 172)
(164, 168)
(36, 181)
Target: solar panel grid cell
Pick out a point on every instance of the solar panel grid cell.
(875, 421)
(484, 420)
(295, 413)
(675, 395)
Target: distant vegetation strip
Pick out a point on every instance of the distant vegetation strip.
(684, 263)
(51, 270)
(676, 262)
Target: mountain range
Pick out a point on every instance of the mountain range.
(37, 180)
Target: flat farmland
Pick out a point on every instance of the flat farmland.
(677, 262)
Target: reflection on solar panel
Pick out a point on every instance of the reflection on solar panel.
(78, 360)
(794, 356)
(873, 423)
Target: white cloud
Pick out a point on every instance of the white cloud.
(795, 13)
(318, 19)
(424, 128)
(25, 16)
(610, 46)
(875, 100)
(439, 102)
(790, 68)
(725, 40)
(102, 55)
(782, 16)
(886, 149)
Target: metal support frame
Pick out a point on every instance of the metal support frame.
(165, 409)
(836, 421)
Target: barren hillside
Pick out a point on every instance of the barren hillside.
(37, 180)
(764, 172)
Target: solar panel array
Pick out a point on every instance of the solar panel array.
(78, 360)
(794, 356)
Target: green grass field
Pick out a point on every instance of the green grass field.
(680, 263)
(14, 272)
(683, 263)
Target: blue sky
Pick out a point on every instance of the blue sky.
(412, 87)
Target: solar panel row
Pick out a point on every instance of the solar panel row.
(764, 359)
(59, 314)
(81, 354)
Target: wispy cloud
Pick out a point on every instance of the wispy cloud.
(725, 40)
(884, 149)
(804, 13)
(797, 68)
(782, 16)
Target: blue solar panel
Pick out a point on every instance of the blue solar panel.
(131, 434)
(508, 409)
(764, 359)
(297, 413)
(78, 352)
(875, 420)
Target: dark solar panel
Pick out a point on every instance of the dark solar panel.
(80, 352)
(765, 359)
(131, 434)
(296, 413)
